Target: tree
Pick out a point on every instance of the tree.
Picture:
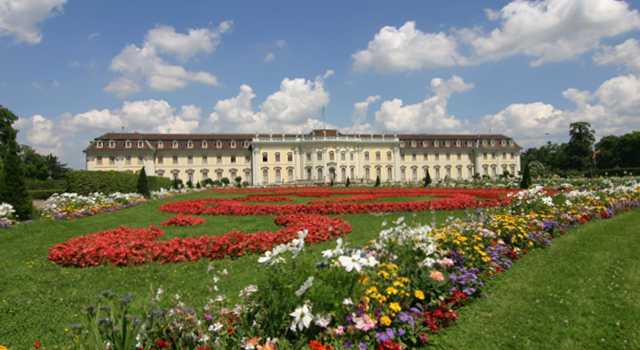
(7, 132)
(526, 177)
(377, 181)
(580, 147)
(58, 170)
(13, 189)
(348, 182)
(427, 180)
(35, 165)
(143, 184)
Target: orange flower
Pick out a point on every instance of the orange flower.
(437, 275)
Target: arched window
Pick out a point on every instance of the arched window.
(204, 144)
(414, 174)
(352, 173)
(319, 156)
(389, 174)
(366, 156)
(174, 144)
(277, 156)
(112, 144)
(218, 144)
(403, 174)
(289, 157)
(127, 144)
(332, 156)
(378, 172)
(189, 144)
(278, 175)
(367, 174)
(320, 174)
(342, 156)
(377, 156)
(160, 144)
(265, 157)
(308, 173)
(99, 145)
(290, 175)
(233, 144)
(343, 173)
(389, 156)
(265, 176)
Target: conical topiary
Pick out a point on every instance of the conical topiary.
(13, 189)
(377, 181)
(143, 184)
(526, 177)
(348, 182)
(427, 180)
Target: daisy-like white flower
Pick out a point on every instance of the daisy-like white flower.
(328, 254)
(216, 279)
(303, 288)
(347, 301)
(355, 261)
(302, 318)
(225, 272)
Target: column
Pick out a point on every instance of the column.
(338, 172)
(303, 164)
(358, 164)
(348, 158)
(499, 170)
(314, 158)
(478, 161)
(324, 163)
(396, 163)
(296, 169)
(120, 162)
(256, 165)
(90, 162)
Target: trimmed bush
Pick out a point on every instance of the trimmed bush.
(620, 172)
(84, 182)
(13, 189)
(142, 186)
(526, 178)
(427, 180)
(43, 194)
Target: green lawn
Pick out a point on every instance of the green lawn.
(590, 279)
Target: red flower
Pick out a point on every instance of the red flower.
(37, 345)
(389, 345)
(163, 343)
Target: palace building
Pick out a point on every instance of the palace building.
(317, 157)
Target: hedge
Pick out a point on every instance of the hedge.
(84, 182)
(35, 184)
(43, 194)
(620, 172)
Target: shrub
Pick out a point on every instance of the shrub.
(13, 189)
(189, 184)
(84, 182)
(142, 186)
(198, 186)
(427, 180)
(621, 171)
(43, 194)
(207, 181)
(225, 181)
(348, 182)
(526, 178)
(377, 181)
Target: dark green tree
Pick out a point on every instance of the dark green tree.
(225, 181)
(580, 147)
(13, 189)
(142, 186)
(198, 186)
(348, 182)
(58, 170)
(35, 165)
(7, 132)
(377, 181)
(526, 177)
(189, 184)
(427, 180)
(618, 151)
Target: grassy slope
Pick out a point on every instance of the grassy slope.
(583, 293)
(39, 299)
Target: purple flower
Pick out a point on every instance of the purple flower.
(362, 346)
(401, 332)
(347, 345)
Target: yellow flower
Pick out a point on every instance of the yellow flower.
(392, 290)
(419, 294)
(384, 274)
(371, 290)
(385, 320)
(2, 348)
(395, 307)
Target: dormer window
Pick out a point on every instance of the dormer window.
(99, 144)
(246, 144)
(435, 143)
(424, 143)
(401, 143)
(205, 144)
(127, 144)
(140, 144)
(233, 144)
(503, 143)
(413, 143)
(218, 144)
(510, 142)
(189, 144)
(469, 143)
(493, 143)
(484, 142)
(160, 144)
(447, 143)
(457, 143)
(174, 144)
(112, 144)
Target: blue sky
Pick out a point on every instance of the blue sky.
(73, 70)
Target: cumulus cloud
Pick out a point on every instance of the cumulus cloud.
(144, 63)
(286, 110)
(627, 53)
(281, 43)
(612, 109)
(361, 108)
(270, 57)
(21, 18)
(547, 31)
(430, 115)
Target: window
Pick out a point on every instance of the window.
(127, 160)
(278, 175)
(218, 144)
(484, 155)
(277, 156)
(367, 174)
(401, 143)
(219, 175)
(352, 173)
(388, 156)
(447, 143)
(175, 144)
(205, 144)
(469, 157)
(402, 157)
(320, 177)
(413, 143)
(493, 172)
(189, 159)
(175, 160)
(112, 160)
(218, 159)
(493, 156)
(332, 156)
(414, 174)
(160, 144)
(160, 160)
(469, 143)
(437, 173)
(319, 156)
(246, 144)
(127, 144)
(493, 142)
(343, 156)
(265, 176)
(424, 143)
(289, 157)
(99, 144)
(389, 173)
(484, 143)
(448, 170)
(366, 156)
(308, 173)
(351, 156)
(308, 157)
(512, 155)
(435, 143)
(403, 174)
(205, 159)
(140, 144)
(503, 143)
(469, 172)
(426, 171)
(140, 160)
(458, 143)
(233, 144)
(377, 156)
(437, 156)
(247, 174)
(99, 160)
(233, 159)
(112, 144)
(510, 142)
(448, 157)
(290, 175)
(265, 157)
(459, 173)
(414, 157)
(378, 172)
(343, 173)
(459, 156)
(247, 159)
(426, 157)
(504, 155)
(233, 174)
(205, 175)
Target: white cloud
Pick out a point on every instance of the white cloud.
(406, 48)
(270, 57)
(20, 18)
(546, 30)
(627, 53)
(138, 63)
(190, 112)
(94, 35)
(55, 83)
(39, 130)
(361, 108)
(281, 43)
(430, 115)
(288, 109)
(36, 85)
(185, 46)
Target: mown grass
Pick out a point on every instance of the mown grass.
(39, 299)
(582, 293)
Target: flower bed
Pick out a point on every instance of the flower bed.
(182, 220)
(128, 246)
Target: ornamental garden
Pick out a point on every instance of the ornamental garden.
(469, 265)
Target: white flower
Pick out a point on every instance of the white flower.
(302, 318)
(328, 254)
(307, 284)
(216, 279)
(323, 321)
(347, 301)
(225, 272)
(355, 261)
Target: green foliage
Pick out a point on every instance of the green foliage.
(176, 183)
(7, 132)
(34, 184)
(476, 176)
(35, 165)
(348, 182)
(377, 182)
(43, 194)
(238, 179)
(620, 172)
(142, 186)
(526, 177)
(224, 180)
(13, 189)
(58, 170)
(618, 151)
(189, 184)
(427, 180)
(198, 186)
(84, 182)
(207, 181)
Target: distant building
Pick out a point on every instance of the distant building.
(319, 156)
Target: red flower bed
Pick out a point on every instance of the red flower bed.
(128, 246)
(182, 220)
